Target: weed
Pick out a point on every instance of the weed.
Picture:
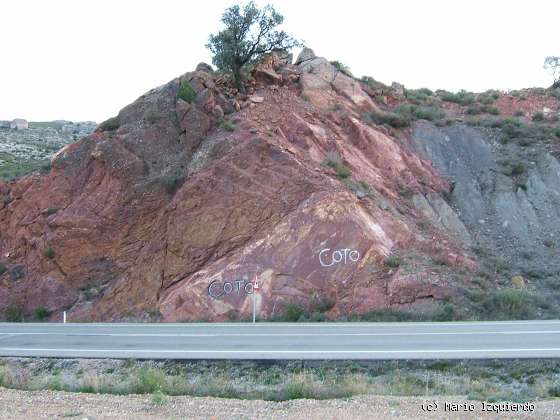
(226, 124)
(159, 398)
(110, 125)
(3, 268)
(41, 313)
(389, 118)
(393, 261)
(49, 253)
(186, 92)
(462, 97)
(538, 116)
(13, 313)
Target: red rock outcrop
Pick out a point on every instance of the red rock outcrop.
(170, 207)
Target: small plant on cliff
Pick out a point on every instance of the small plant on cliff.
(538, 116)
(342, 68)
(249, 33)
(390, 118)
(41, 313)
(2, 268)
(49, 253)
(226, 124)
(186, 92)
(110, 125)
(393, 261)
(152, 115)
(335, 161)
(14, 313)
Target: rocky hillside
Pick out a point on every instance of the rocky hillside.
(22, 151)
(343, 196)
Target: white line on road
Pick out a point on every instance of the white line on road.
(280, 334)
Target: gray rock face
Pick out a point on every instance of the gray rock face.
(305, 55)
(519, 223)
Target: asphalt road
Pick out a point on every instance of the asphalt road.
(453, 340)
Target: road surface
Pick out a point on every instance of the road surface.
(453, 340)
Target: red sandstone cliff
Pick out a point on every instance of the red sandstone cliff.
(171, 209)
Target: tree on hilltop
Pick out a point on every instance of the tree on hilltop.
(249, 33)
(552, 63)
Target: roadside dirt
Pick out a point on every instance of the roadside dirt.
(53, 404)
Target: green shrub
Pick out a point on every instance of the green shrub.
(462, 97)
(538, 116)
(554, 390)
(110, 125)
(557, 132)
(418, 95)
(343, 172)
(51, 211)
(159, 398)
(49, 253)
(2, 268)
(473, 110)
(518, 168)
(226, 124)
(374, 84)
(186, 92)
(293, 312)
(171, 182)
(41, 313)
(342, 68)
(393, 261)
(509, 304)
(390, 118)
(493, 110)
(335, 161)
(13, 313)
(415, 112)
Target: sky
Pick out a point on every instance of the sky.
(86, 59)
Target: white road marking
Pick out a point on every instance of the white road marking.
(280, 334)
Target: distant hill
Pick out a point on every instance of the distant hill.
(25, 150)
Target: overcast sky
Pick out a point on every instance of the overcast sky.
(86, 59)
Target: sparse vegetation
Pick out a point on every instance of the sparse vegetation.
(415, 112)
(41, 313)
(393, 261)
(226, 124)
(110, 125)
(511, 380)
(2, 268)
(342, 68)
(186, 92)
(389, 118)
(538, 116)
(171, 182)
(335, 161)
(418, 96)
(462, 97)
(13, 313)
(49, 253)
(374, 84)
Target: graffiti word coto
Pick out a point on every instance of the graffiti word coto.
(344, 256)
(218, 289)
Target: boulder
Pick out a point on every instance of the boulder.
(398, 88)
(267, 76)
(256, 99)
(204, 67)
(305, 55)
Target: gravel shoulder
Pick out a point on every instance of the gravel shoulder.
(58, 404)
